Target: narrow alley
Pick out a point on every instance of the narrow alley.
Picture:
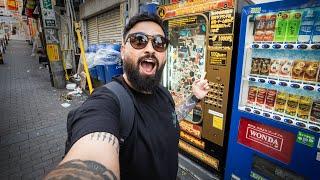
(33, 122)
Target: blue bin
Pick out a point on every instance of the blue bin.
(101, 73)
(93, 72)
(112, 70)
(115, 47)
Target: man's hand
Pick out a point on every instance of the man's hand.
(200, 88)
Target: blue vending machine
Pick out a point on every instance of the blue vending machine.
(275, 124)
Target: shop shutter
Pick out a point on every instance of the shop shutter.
(92, 30)
(109, 26)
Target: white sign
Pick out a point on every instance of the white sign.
(48, 14)
(50, 36)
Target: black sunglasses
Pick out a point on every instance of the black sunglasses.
(140, 40)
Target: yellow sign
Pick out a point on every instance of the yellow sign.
(211, 161)
(191, 7)
(192, 140)
(53, 52)
(217, 122)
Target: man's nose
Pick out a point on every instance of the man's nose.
(149, 47)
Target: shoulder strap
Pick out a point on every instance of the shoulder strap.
(126, 108)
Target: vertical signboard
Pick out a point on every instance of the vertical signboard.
(48, 14)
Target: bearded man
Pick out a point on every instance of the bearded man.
(151, 150)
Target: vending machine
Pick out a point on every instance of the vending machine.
(275, 126)
(201, 40)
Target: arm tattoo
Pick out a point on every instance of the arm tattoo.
(106, 137)
(183, 109)
(79, 169)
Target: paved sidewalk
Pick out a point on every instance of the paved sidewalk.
(32, 120)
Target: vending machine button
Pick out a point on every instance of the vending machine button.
(296, 86)
(262, 80)
(302, 46)
(255, 46)
(276, 46)
(316, 46)
(308, 88)
(256, 112)
(266, 115)
(314, 128)
(265, 46)
(278, 118)
(247, 109)
(300, 124)
(288, 121)
(272, 82)
(252, 79)
(283, 84)
(288, 46)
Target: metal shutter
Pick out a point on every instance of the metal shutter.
(92, 30)
(109, 26)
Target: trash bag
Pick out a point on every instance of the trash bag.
(106, 56)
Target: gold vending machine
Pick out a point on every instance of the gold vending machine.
(201, 40)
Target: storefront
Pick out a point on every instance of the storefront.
(105, 27)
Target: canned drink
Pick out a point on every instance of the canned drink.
(260, 27)
(311, 71)
(252, 95)
(270, 99)
(281, 101)
(298, 69)
(292, 104)
(261, 97)
(304, 107)
(265, 66)
(275, 66)
(270, 27)
(255, 66)
(315, 111)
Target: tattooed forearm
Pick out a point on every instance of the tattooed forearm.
(107, 137)
(78, 169)
(183, 110)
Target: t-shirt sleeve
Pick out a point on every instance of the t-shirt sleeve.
(99, 113)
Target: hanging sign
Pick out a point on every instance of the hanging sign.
(53, 52)
(12, 5)
(192, 7)
(48, 14)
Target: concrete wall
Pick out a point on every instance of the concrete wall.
(93, 7)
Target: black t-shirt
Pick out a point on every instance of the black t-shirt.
(151, 150)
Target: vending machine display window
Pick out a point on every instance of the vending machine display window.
(280, 77)
(186, 58)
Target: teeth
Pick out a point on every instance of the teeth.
(149, 60)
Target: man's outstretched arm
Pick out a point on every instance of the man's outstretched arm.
(94, 156)
(200, 89)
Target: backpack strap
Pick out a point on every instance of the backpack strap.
(126, 108)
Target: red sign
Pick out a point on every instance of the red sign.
(266, 139)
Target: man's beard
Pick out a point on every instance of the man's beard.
(143, 83)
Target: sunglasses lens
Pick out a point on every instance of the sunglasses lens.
(139, 41)
(159, 43)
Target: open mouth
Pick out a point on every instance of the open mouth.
(148, 66)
